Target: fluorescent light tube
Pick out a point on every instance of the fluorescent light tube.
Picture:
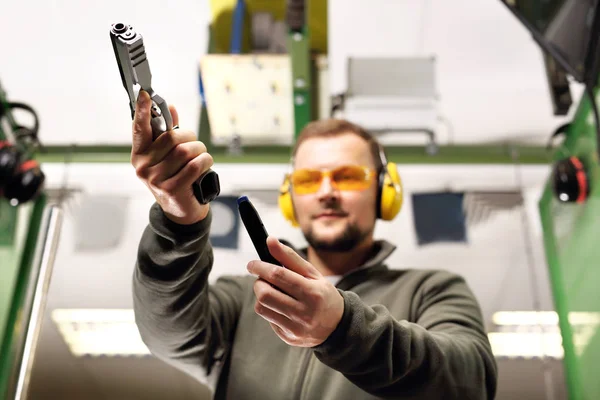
(113, 332)
(100, 332)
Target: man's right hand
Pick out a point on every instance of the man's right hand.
(169, 165)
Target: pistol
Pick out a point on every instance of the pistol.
(128, 46)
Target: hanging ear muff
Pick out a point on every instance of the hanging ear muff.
(570, 181)
(10, 159)
(27, 183)
(390, 192)
(285, 201)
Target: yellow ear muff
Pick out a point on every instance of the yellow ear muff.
(391, 193)
(285, 202)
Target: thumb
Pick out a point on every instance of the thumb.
(290, 259)
(142, 130)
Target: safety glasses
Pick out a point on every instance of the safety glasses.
(347, 177)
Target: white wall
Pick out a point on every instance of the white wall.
(491, 78)
(58, 58)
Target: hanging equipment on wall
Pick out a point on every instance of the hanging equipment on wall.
(21, 178)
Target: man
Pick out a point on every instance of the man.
(289, 333)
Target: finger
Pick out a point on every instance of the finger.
(174, 115)
(290, 259)
(165, 143)
(189, 174)
(142, 130)
(177, 158)
(284, 279)
(281, 321)
(277, 301)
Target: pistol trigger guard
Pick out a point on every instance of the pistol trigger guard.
(162, 120)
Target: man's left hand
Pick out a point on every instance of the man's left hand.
(301, 305)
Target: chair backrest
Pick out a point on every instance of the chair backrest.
(412, 77)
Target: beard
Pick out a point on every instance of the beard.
(350, 238)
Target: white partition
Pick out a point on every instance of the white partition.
(58, 58)
(492, 84)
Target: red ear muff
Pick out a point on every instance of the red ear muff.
(582, 180)
(570, 180)
(27, 183)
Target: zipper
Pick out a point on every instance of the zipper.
(302, 373)
(345, 283)
(306, 362)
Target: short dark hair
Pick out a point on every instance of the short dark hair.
(333, 127)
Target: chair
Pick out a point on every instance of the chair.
(391, 95)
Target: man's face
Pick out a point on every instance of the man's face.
(332, 219)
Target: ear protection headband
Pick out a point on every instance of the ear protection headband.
(389, 192)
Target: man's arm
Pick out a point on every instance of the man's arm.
(445, 354)
(182, 319)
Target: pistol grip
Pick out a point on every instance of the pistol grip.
(207, 187)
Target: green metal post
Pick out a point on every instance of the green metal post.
(204, 132)
(571, 233)
(8, 224)
(15, 285)
(5, 113)
(298, 44)
(8, 214)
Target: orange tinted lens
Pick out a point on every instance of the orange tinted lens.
(352, 177)
(306, 181)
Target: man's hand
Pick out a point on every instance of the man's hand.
(302, 306)
(169, 165)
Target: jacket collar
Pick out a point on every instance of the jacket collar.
(382, 249)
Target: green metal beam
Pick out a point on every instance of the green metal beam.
(270, 155)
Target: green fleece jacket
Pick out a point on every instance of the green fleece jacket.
(404, 334)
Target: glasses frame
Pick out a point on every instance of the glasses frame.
(369, 172)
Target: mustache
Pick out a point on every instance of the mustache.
(332, 211)
(330, 206)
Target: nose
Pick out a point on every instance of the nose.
(327, 189)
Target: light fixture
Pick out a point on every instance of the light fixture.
(113, 332)
(525, 318)
(536, 333)
(526, 344)
(100, 332)
(546, 318)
